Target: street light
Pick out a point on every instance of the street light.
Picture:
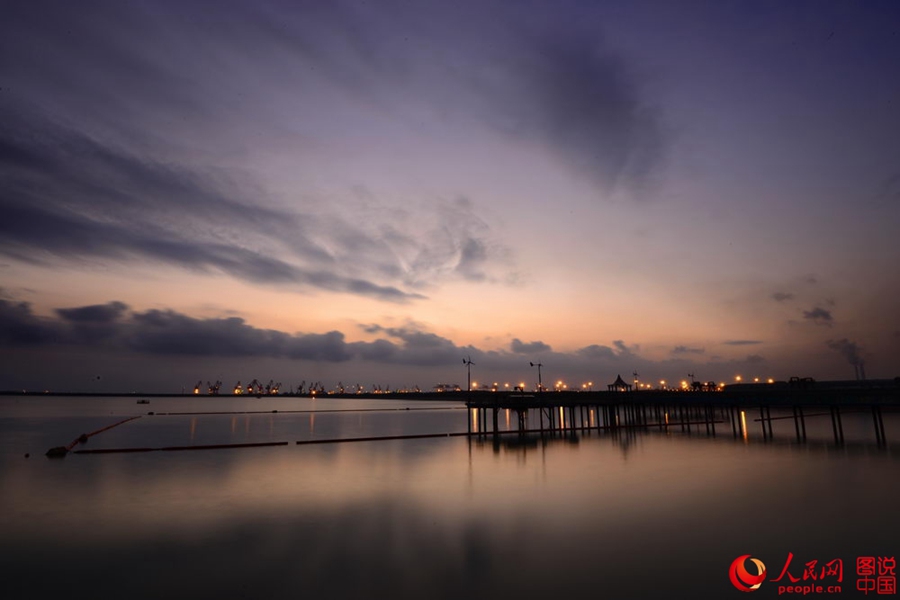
(468, 362)
(540, 382)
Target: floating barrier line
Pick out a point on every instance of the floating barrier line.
(412, 436)
(179, 448)
(63, 450)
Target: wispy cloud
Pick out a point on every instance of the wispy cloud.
(742, 342)
(687, 350)
(819, 316)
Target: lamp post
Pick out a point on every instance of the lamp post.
(540, 382)
(468, 362)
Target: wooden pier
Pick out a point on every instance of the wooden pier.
(731, 411)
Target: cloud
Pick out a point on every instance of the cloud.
(619, 350)
(121, 149)
(687, 350)
(597, 351)
(69, 197)
(565, 89)
(460, 244)
(164, 340)
(782, 296)
(623, 349)
(19, 326)
(550, 81)
(417, 347)
(517, 346)
(742, 342)
(819, 316)
(97, 313)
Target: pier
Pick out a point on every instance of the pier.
(723, 412)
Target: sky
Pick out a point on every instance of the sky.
(370, 192)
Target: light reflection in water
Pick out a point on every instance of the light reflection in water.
(744, 425)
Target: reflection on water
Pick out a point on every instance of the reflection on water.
(627, 514)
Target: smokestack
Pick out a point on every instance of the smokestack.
(862, 370)
(856, 371)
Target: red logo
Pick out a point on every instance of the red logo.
(741, 578)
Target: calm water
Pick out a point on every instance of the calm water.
(647, 515)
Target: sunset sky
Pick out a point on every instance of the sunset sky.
(371, 191)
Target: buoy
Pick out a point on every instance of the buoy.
(27, 455)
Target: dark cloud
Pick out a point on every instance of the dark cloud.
(575, 95)
(597, 351)
(19, 326)
(623, 349)
(819, 316)
(782, 296)
(741, 342)
(618, 351)
(418, 347)
(170, 340)
(98, 313)
(687, 350)
(172, 333)
(517, 346)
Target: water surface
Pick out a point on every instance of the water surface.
(620, 515)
